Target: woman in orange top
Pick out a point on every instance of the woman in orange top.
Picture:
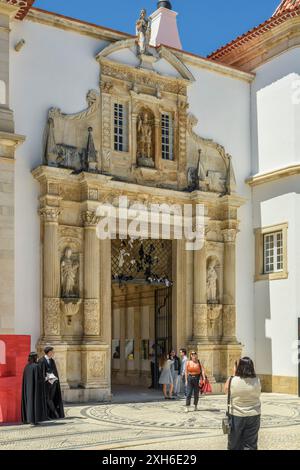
(193, 373)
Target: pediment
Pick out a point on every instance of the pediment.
(165, 62)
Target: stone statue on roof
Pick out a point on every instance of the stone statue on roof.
(143, 31)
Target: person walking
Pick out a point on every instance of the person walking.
(166, 375)
(175, 372)
(193, 373)
(244, 390)
(183, 361)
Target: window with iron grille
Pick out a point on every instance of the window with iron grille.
(120, 127)
(167, 136)
(273, 252)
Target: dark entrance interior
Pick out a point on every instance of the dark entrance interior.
(141, 309)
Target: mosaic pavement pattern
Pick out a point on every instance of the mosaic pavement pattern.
(150, 423)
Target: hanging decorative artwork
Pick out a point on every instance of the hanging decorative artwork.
(143, 261)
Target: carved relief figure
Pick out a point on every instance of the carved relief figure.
(145, 139)
(143, 31)
(69, 275)
(212, 282)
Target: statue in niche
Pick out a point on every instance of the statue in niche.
(145, 140)
(69, 275)
(212, 283)
(143, 31)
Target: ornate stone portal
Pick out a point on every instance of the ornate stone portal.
(85, 165)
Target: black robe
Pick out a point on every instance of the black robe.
(56, 398)
(34, 408)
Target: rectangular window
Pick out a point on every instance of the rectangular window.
(120, 128)
(167, 136)
(273, 252)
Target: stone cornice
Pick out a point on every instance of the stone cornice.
(274, 175)
(71, 24)
(11, 139)
(261, 44)
(16, 8)
(154, 195)
(217, 67)
(8, 144)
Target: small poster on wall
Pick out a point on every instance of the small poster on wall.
(129, 349)
(145, 349)
(116, 349)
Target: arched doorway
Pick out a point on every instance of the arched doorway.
(141, 309)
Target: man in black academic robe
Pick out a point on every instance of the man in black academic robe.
(34, 408)
(55, 408)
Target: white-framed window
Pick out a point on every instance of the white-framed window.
(273, 252)
(167, 136)
(120, 127)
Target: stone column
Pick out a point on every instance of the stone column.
(200, 297)
(94, 353)
(229, 286)
(92, 327)
(51, 276)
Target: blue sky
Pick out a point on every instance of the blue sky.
(205, 25)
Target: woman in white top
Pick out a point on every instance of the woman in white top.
(166, 375)
(245, 406)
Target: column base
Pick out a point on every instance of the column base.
(86, 395)
(95, 366)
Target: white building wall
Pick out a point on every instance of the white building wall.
(276, 302)
(56, 68)
(275, 106)
(222, 106)
(276, 113)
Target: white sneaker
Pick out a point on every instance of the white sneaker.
(187, 409)
(196, 408)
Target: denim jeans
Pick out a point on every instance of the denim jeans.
(193, 386)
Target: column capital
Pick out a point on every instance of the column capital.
(89, 218)
(229, 235)
(50, 214)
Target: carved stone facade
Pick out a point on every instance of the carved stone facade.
(89, 161)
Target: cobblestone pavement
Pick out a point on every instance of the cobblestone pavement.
(142, 420)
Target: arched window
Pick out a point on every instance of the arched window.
(2, 352)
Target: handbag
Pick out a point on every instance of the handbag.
(207, 388)
(226, 424)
